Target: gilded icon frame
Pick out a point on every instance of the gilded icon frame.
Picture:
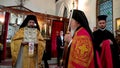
(117, 23)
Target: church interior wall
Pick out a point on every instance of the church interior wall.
(58, 4)
(116, 12)
(60, 10)
(42, 6)
(61, 4)
(89, 8)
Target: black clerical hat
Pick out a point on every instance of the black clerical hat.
(102, 17)
(77, 15)
(80, 17)
(30, 17)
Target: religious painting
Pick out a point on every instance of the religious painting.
(118, 24)
(46, 29)
(2, 18)
(14, 22)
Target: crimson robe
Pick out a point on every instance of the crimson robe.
(81, 50)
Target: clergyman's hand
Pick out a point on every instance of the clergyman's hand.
(24, 43)
(110, 41)
(67, 37)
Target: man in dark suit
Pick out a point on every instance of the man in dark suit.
(60, 47)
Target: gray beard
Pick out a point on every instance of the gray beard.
(72, 32)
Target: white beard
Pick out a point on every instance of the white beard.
(72, 32)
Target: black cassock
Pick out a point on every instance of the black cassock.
(100, 36)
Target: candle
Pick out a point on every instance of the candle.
(49, 30)
(45, 26)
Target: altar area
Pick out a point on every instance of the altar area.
(50, 27)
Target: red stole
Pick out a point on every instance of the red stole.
(81, 52)
(106, 55)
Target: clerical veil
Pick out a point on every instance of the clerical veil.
(30, 17)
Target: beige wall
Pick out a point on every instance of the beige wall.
(116, 11)
(89, 7)
(42, 6)
(61, 4)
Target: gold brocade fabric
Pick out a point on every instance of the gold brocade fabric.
(81, 52)
(27, 61)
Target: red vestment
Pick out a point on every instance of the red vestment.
(81, 51)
